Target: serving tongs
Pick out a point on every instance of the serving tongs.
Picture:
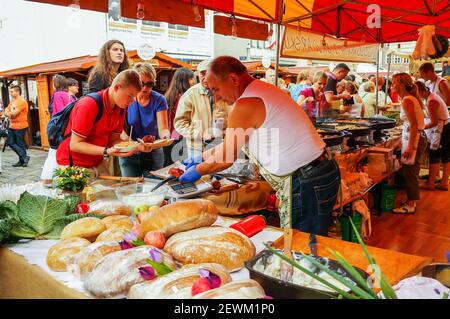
(286, 269)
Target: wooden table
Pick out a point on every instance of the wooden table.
(396, 266)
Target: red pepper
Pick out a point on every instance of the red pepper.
(82, 208)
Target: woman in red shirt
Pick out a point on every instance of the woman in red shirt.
(312, 99)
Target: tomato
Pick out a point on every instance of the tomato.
(82, 208)
(177, 172)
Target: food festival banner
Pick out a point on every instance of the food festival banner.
(305, 44)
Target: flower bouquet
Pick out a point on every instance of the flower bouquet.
(72, 178)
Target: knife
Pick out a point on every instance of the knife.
(168, 179)
(313, 244)
(287, 270)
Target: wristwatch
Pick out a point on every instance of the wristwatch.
(105, 152)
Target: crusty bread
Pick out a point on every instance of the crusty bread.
(177, 284)
(180, 216)
(246, 289)
(215, 244)
(113, 234)
(60, 254)
(115, 273)
(89, 256)
(118, 221)
(88, 228)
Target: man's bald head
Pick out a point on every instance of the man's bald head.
(222, 66)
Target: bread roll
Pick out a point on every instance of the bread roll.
(246, 289)
(88, 228)
(60, 254)
(114, 234)
(89, 256)
(114, 274)
(177, 284)
(180, 216)
(109, 207)
(215, 244)
(118, 221)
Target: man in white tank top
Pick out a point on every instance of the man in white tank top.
(435, 83)
(279, 135)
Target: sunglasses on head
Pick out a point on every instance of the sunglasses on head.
(149, 84)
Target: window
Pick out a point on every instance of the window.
(152, 23)
(178, 27)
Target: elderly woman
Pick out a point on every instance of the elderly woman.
(413, 139)
(438, 131)
(369, 99)
(146, 116)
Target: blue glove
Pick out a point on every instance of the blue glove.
(191, 175)
(196, 159)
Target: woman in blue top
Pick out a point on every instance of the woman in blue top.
(147, 116)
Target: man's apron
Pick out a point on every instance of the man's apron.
(283, 187)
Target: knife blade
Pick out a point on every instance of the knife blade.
(168, 179)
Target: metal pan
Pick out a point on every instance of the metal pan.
(280, 289)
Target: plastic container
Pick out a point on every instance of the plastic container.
(250, 225)
(347, 230)
(387, 197)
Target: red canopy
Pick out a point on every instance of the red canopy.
(400, 19)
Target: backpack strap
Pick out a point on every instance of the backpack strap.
(97, 98)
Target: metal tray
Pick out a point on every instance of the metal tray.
(280, 289)
(331, 137)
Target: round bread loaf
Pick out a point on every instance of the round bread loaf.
(180, 216)
(215, 244)
(118, 221)
(246, 289)
(177, 284)
(117, 272)
(60, 254)
(88, 228)
(89, 256)
(113, 234)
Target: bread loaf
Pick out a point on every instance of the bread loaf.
(118, 221)
(60, 254)
(89, 256)
(114, 274)
(177, 284)
(215, 244)
(180, 216)
(246, 289)
(109, 207)
(114, 234)
(88, 228)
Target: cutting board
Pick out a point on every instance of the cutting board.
(396, 266)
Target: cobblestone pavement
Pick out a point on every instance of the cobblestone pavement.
(21, 175)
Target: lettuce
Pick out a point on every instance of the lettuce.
(37, 217)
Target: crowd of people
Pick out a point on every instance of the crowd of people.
(123, 105)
